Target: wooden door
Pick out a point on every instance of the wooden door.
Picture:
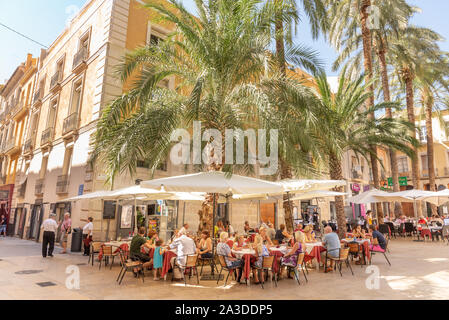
(267, 212)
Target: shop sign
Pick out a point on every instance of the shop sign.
(403, 182)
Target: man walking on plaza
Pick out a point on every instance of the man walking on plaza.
(48, 241)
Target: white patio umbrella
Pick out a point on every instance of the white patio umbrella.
(93, 195)
(213, 182)
(368, 197)
(438, 199)
(318, 194)
(407, 196)
(294, 186)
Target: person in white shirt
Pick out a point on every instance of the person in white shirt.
(87, 235)
(48, 241)
(185, 246)
(184, 229)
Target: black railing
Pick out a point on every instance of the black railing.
(70, 123)
(80, 57)
(62, 184)
(46, 136)
(39, 187)
(55, 80)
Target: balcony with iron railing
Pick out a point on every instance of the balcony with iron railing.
(55, 83)
(70, 124)
(22, 189)
(17, 108)
(62, 184)
(47, 136)
(28, 146)
(39, 187)
(10, 145)
(79, 60)
(37, 98)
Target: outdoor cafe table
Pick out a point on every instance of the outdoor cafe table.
(115, 244)
(247, 255)
(364, 243)
(166, 266)
(313, 251)
(277, 253)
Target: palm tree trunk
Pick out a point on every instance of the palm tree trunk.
(285, 169)
(409, 96)
(368, 65)
(427, 98)
(336, 173)
(381, 52)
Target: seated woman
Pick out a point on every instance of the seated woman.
(261, 251)
(224, 250)
(310, 234)
(282, 234)
(239, 242)
(265, 238)
(291, 258)
(246, 227)
(153, 237)
(299, 227)
(205, 246)
(422, 221)
(359, 233)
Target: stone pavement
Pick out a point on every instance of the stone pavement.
(419, 271)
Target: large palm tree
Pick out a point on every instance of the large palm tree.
(344, 126)
(349, 18)
(408, 53)
(216, 60)
(393, 16)
(285, 18)
(431, 81)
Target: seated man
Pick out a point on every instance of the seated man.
(271, 232)
(380, 238)
(135, 250)
(332, 244)
(185, 246)
(224, 250)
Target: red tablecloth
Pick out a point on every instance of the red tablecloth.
(426, 232)
(124, 247)
(277, 256)
(166, 266)
(315, 254)
(248, 259)
(365, 246)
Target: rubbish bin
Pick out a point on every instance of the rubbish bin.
(77, 240)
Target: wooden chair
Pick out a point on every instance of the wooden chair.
(342, 257)
(128, 266)
(107, 254)
(384, 252)
(267, 265)
(191, 263)
(94, 248)
(224, 266)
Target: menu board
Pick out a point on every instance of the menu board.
(127, 217)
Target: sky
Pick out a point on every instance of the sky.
(44, 20)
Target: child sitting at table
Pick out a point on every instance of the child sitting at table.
(359, 233)
(158, 258)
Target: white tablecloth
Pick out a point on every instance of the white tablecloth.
(239, 253)
(311, 245)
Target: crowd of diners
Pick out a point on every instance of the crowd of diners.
(261, 239)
